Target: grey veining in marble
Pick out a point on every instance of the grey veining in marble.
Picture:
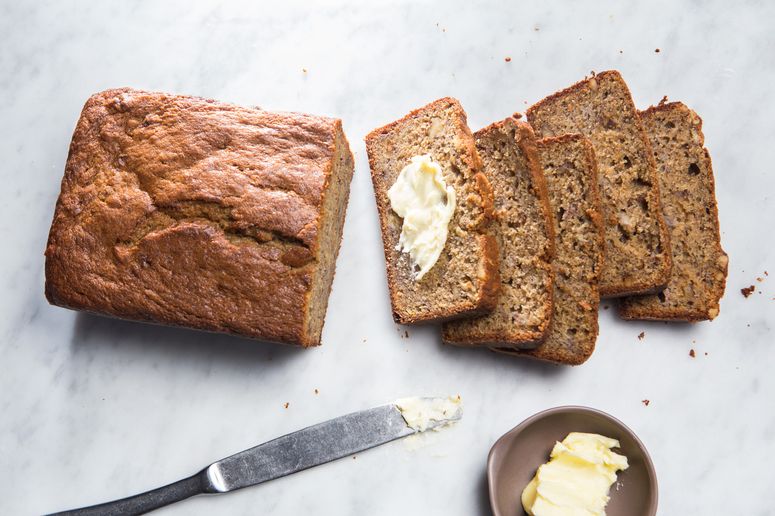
(93, 409)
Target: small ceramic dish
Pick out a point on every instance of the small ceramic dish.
(514, 458)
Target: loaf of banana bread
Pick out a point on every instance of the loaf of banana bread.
(185, 211)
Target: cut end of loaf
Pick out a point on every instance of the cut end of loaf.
(334, 208)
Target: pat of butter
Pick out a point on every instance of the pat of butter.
(421, 197)
(577, 478)
(421, 413)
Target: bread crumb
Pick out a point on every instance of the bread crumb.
(747, 291)
(759, 279)
(507, 59)
(765, 273)
(656, 50)
(621, 51)
(641, 335)
(536, 28)
(691, 353)
(304, 70)
(406, 334)
(317, 391)
(646, 402)
(706, 353)
(606, 307)
(286, 405)
(354, 457)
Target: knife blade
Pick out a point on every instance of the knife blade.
(297, 451)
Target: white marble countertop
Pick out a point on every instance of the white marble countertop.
(93, 409)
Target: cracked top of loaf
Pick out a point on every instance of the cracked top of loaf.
(186, 211)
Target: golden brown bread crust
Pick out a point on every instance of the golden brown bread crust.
(698, 284)
(656, 278)
(185, 211)
(524, 167)
(426, 306)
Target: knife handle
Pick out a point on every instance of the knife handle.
(148, 501)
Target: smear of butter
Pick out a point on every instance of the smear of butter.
(421, 197)
(577, 478)
(422, 413)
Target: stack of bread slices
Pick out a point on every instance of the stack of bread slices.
(589, 198)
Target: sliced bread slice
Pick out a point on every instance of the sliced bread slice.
(523, 230)
(464, 280)
(572, 183)
(638, 256)
(689, 206)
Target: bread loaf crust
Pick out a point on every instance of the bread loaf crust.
(185, 211)
(412, 302)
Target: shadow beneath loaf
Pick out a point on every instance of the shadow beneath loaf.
(94, 334)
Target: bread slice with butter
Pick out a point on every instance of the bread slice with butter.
(463, 280)
(525, 238)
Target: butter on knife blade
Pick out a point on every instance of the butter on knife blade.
(422, 414)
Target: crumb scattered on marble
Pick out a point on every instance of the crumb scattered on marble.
(706, 353)
(692, 353)
(621, 51)
(747, 291)
(536, 28)
(646, 402)
(641, 335)
(507, 59)
(759, 279)
(317, 391)
(406, 334)
(286, 405)
(304, 70)
(656, 50)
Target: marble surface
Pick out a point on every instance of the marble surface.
(93, 409)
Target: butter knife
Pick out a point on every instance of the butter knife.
(283, 456)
